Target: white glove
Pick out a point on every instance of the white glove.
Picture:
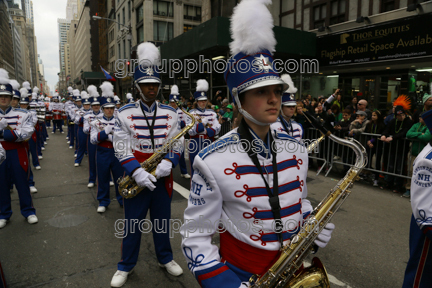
(144, 179)
(163, 169)
(325, 235)
(3, 124)
(108, 129)
(110, 138)
(244, 285)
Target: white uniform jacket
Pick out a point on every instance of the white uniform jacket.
(2, 154)
(295, 129)
(209, 117)
(227, 188)
(88, 118)
(98, 134)
(22, 123)
(132, 137)
(421, 190)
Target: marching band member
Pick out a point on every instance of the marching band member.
(285, 122)
(24, 103)
(33, 106)
(181, 116)
(79, 120)
(418, 272)
(57, 109)
(88, 118)
(44, 133)
(76, 113)
(69, 104)
(206, 127)
(102, 136)
(117, 105)
(233, 188)
(16, 126)
(48, 115)
(152, 124)
(16, 94)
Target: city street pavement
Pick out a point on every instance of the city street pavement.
(74, 246)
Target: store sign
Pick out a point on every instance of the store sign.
(405, 38)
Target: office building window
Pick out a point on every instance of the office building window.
(129, 10)
(192, 12)
(187, 27)
(140, 34)
(140, 14)
(163, 8)
(388, 5)
(118, 17)
(124, 49)
(319, 15)
(119, 51)
(337, 14)
(162, 31)
(124, 16)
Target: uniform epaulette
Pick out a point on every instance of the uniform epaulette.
(167, 107)
(429, 156)
(209, 110)
(285, 136)
(127, 106)
(218, 144)
(21, 110)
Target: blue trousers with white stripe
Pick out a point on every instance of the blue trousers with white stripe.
(107, 163)
(82, 144)
(135, 211)
(12, 171)
(92, 160)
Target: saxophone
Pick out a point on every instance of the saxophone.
(283, 272)
(127, 186)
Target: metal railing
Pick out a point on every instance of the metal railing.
(383, 158)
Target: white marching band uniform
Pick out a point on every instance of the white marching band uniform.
(295, 129)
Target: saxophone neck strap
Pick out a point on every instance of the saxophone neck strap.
(244, 131)
(150, 127)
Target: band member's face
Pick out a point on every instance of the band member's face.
(5, 101)
(14, 102)
(263, 103)
(173, 104)
(149, 90)
(288, 111)
(202, 104)
(78, 103)
(95, 108)
(118, 106)
(24, 106)
(108, 112)
(87, 106)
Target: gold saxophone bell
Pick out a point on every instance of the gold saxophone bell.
(312, 276)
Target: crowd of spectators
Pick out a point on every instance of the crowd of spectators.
(398, 132)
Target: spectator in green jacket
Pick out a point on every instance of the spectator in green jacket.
(422, 136)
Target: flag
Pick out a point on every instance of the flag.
(107, 75)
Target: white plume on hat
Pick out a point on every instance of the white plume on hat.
(26, 85)
(252, 27)
(34, 96)
(35, 89)
(129, 96)
(84, 95)
(175, 91)
(92, 90)
(287, 79)
(70, 89)
(15, 84)
(41, 97)
(202, 85)
(107, 89)
(24, 92)
(148, 54)
(76, 92)
(55, 94)
(116, 98)
(4, 76)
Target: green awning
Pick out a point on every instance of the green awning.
(93, 75)
(212, 38)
